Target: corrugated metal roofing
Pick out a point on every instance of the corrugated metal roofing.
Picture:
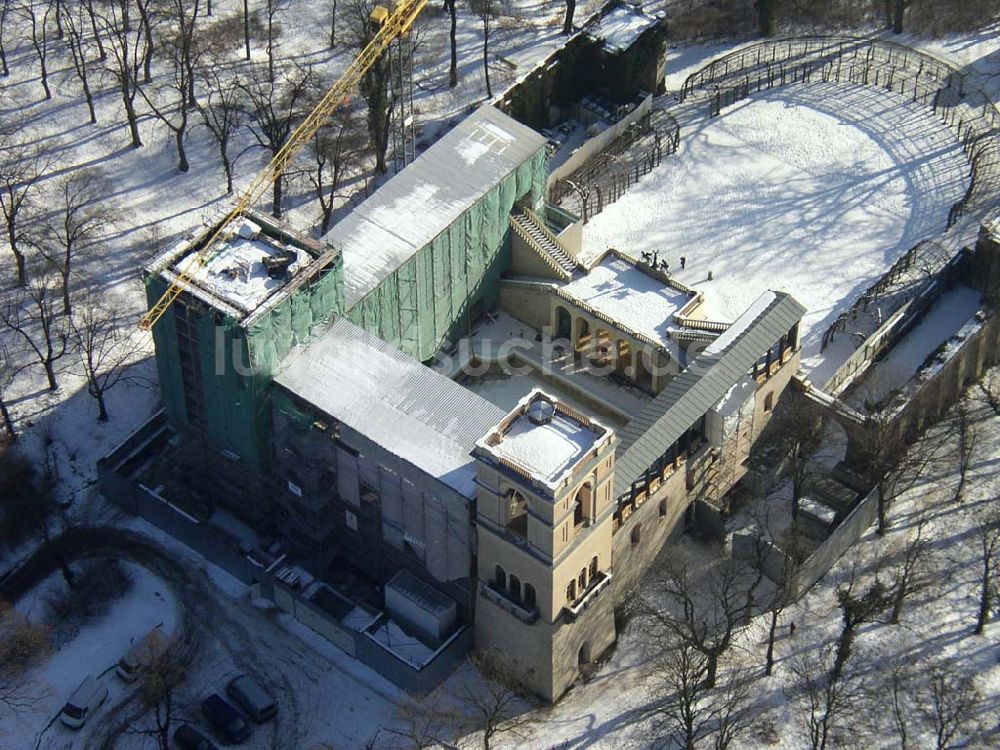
(410, 410)
(699, 387)
(422, 201)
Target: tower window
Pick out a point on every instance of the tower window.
(593, 568)
(515, 588)
(500, 578)
(571, 592)
(636, 534)
(529, 595)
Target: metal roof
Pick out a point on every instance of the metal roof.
(392, 399)
(699, 387)
(423, 200)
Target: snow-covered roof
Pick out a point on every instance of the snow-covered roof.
(623, 291)
(236, 272)
(621, 27)
(548, 449)
(423, 200)
(413, 412)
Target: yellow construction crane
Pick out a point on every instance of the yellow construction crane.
(391, 26)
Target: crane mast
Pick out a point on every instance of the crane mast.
(391, 26)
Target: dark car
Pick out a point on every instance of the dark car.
(188, 738)
(227, 722)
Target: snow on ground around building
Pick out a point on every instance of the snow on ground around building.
(813, 189)
(617, 707)
(93, 650)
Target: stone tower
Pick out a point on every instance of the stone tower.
(544, 525)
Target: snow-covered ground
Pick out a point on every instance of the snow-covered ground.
(93, 650)
(811, 189)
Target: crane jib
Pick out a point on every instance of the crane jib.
(397, 24)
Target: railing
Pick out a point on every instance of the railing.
(588, 596)
(716, 326)
(548, 233)
(963, 106)
(503, 600)
(628, 331)
(521, 232)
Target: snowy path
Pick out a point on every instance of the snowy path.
(813, 189)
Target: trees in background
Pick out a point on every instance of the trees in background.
(129, 45)
(22, 643)
(485, 10)
(987, 540)
(374, 84)
(78, 42)
(78, 221)
(183, 54)
(222, 113)
(21, 172)
(276, 108)
(337, 148)
(33, 314)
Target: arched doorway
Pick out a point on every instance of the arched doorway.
(583, 656)
(564, 323)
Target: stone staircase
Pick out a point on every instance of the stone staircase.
(543, 241)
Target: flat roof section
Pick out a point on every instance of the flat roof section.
(625, 293)
(415, 413)
(543, 438)
(236, 272)
(423, 200)
(621, 27)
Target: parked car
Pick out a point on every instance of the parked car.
(85, 700)
(142, 652)
(249, 695)
(227, 722)
(188, 738)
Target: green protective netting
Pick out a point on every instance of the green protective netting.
(426, 301)
(235, 396)
(281, 402)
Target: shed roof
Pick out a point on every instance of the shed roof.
(423, 200)
(408, 409)
(699, 387)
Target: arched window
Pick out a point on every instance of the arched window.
(663, 508)
(571, 592)
(529, 595)
(593, 568)
(500, 578)
(515, 588)
(582, 579)
(769, 401)
(636, 534)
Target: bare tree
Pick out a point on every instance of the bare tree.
(8, 371)
(158, 684)
(105, 345)
(987, 535)
(486, 12)
(128, 44)
(424, 724)
(966, 427)
(5, 14)
(32, 314)
(711, 608)
(276, 109)
(222, 113)
(950, 702)
(793, 434)
(891, 463)
(568, 18)
(102, 54)
(21, 171)
(79, 48)
(271, 10)
(22, 643)
(333, 24)
(490, 698)
(908, 575)
(855, 610)
(374, 84)
(831, 697)
(182, 53)
(147, 19)
(989, 386)
(336, 148)
(450, 6)
(246, 27)
(895, 13)
(38, 26)
(765, 16)
(79, 218)
(685, 716)
(733, 715)
(900, 704)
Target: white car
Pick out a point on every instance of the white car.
(85, 700)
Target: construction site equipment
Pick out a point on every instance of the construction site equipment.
(391, 26)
